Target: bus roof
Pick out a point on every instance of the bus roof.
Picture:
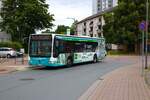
(74, 38)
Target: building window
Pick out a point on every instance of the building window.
(99, 26)
(84, 23)
(91, 23)
(99, 1)
(95, 35)
(91, 29)
(84, 30)
(99, 20)
(98, 5)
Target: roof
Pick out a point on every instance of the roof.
(77, 38)
(67, 36)
(96, 15)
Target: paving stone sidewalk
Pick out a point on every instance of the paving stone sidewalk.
(11, 66)
(122, 84)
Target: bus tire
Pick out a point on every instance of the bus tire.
(95, 59)
(69, 62)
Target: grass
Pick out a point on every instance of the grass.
(119, 53)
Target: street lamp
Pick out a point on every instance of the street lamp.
(71, 18)
(146, 35)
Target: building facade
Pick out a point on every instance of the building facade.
(91, 26)
(102, 5)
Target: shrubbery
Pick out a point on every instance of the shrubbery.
(14, 45)
(113, 52)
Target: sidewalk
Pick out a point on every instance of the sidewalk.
(122, 84)
(11, 66)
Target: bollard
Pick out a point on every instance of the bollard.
(23, 59)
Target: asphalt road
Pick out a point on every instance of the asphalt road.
(58, 84)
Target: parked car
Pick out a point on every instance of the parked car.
(7, 52)
(19, 54)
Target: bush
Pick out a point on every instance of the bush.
(113, 52)
(14, 45)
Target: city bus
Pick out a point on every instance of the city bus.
(54, 50)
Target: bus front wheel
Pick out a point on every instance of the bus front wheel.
(95, 58)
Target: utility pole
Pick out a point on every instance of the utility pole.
(143, 64)
(146, 34)
(142, 26)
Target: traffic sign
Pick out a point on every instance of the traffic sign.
(142, 25)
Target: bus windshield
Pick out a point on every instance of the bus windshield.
(40, 47)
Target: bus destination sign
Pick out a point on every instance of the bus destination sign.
(40, 37)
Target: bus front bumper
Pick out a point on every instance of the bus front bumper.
(43, 62)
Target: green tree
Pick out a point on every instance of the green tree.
(23, 17)
(47, 31)
(122, 25)
(73, 27)
(62, 29)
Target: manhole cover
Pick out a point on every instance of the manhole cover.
(2, 70)
(101, 79)
(27, 79)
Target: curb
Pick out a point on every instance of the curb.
(6, 71)
(88, 92)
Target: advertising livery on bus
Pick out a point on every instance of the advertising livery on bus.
(53, 50)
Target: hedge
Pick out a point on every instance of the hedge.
(14, 45)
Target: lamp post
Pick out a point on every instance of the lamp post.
(146, 35)
(71, 18)
(142, 26)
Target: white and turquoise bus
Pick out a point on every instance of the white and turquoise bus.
(55, 50)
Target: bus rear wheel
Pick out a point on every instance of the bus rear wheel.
(69, 62)
(95, 59)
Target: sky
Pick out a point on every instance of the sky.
(64, 9)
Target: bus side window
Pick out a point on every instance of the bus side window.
(91, 46)
(79, 47)
(94, 46)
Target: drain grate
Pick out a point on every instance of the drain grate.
(27, 79)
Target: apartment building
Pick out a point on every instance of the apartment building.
(92, 26)
(102, 5)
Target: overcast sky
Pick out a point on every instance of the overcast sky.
(62, 9)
